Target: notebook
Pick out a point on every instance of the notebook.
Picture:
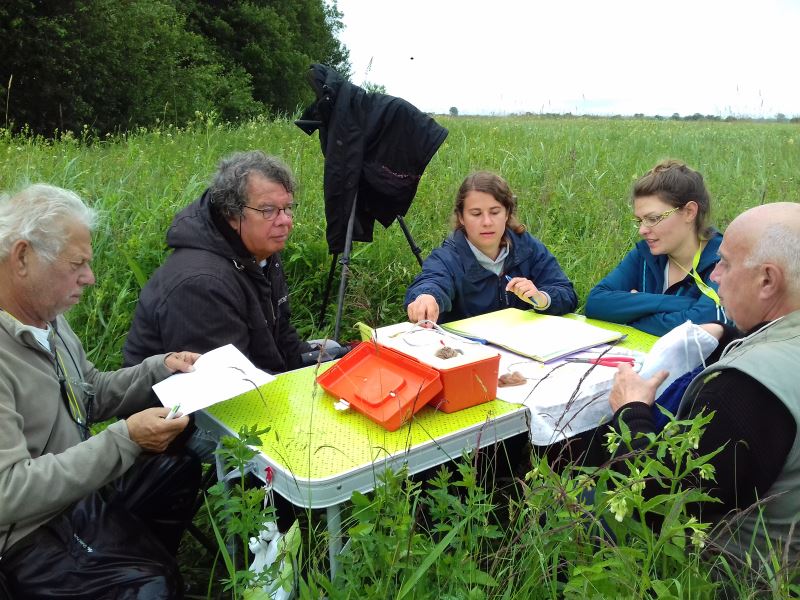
(524, 332)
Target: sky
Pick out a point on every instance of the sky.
(720, 57)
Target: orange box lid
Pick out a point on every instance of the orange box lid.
(383, 384)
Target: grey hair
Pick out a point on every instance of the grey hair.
(228, 190)
(781, 245)
(40, 215)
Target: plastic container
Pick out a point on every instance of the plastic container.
(386, 386)
(468, 379)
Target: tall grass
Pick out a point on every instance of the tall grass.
(572, 177)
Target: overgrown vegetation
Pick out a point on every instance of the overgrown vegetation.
(572, 178)
(460, 535)
(112, 66)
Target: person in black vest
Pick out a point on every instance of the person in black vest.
(752, 388)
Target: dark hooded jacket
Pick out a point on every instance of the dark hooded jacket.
(375, 145)
(463, 288)
(211, 292)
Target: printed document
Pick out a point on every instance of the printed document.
(218, 375)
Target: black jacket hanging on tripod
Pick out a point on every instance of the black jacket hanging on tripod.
(374, 144)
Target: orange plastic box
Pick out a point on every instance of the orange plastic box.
(468, 385)
(468, 379)
(386, 386)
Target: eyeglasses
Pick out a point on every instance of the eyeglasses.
(270, 212)
(653, 220)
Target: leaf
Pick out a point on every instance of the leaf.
(223, 549)
(429, 560)
(141, 278)
(663, 591)
(361, 529)
(483, 578)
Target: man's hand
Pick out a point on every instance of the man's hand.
(181, 361)
(152, 431)
(424, 307)
(629, 387)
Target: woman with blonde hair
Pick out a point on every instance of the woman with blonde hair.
(665, 280)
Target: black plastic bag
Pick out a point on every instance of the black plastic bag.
(116, 543)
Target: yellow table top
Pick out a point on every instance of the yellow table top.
(321, 456)
(313, 440)
(309, 438)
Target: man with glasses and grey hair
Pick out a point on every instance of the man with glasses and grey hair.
(81, 515)
(224, 281)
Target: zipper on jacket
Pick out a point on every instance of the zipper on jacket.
(501, 289)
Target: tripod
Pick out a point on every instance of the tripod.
(345, 262)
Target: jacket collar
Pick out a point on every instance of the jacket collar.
(23, 334)
(708, 257)
(201, 226)
(517, 253)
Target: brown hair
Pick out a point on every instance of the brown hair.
(495, 186)
(676, 184)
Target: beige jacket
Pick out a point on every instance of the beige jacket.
(44, 464)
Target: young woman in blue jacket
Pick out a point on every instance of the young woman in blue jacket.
(488, 263)
(665, 280)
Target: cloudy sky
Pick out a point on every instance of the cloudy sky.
(723, 57)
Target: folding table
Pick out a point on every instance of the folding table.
(319, 455)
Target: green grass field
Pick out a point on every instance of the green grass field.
(572, 177)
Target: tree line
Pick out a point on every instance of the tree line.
(113, 65)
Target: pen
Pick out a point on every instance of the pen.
(605, 361)
(173, 412)
(472, 338)
(523, 298)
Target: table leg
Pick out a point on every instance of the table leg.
(334, 536)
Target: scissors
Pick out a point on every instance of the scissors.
(605, 361)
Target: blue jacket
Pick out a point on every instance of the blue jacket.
(463, 288)
(651, 310)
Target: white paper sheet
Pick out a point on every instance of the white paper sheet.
(557, 409)
(218, 375)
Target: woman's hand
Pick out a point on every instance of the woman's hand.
(526, 290)
(424, 307)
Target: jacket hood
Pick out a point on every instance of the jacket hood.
(195, 227)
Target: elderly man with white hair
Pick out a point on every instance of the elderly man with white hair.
(81, 515)
(753, 388)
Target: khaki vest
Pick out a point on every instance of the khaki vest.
(771, 356)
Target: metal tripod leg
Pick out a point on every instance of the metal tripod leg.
(348, 246)
(414, 248)
(327, 296)
(345, 261)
